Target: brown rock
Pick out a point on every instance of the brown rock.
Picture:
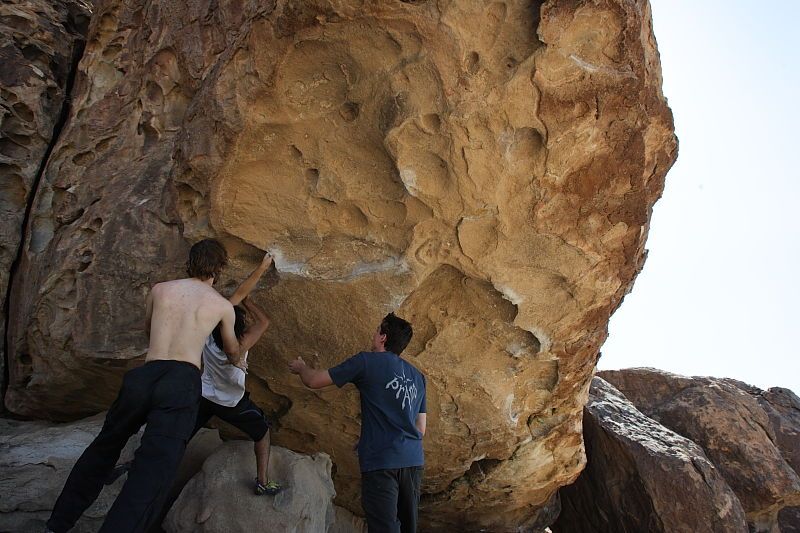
(40, 44)
(36, 458)
(641, 476)
(726, 418)
(488, 169)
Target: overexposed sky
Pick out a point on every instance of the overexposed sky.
(720, 291)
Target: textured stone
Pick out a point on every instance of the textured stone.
(641, 476)
(220, 497)
(40, 44)
(486, 169)
(728, 420)
(36, 458)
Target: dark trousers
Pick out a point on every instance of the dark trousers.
(162, 394)
(390, 499)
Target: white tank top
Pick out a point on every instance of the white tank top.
(223, 383)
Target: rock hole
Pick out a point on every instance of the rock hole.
(472, 62)
(25, 358)
(96, 224)
(22, 140)
(83, 158)
(431, 122)
(296, 153)
(112, 51)
(13, 150)
(34, 54)
(22, 111)
(151, 134)
(511, 62)
(349, 111)
(312, 177)
(85, 260)
(18, 23)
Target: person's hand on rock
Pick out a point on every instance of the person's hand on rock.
(297, 365)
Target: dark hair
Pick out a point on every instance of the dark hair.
(238, 326)
(206, 259)
(398, 333)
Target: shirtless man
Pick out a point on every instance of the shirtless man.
(163, 393)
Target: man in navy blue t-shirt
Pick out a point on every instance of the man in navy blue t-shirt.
(393, 419)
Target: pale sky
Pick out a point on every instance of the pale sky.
(719, 293)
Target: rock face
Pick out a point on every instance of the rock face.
(36, 458)
(486, 169)
(749, 434)
(40, 44)
(220, 497)
(641, 476)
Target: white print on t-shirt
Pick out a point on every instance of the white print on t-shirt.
(404, 386)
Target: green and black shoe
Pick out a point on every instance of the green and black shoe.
(270, 488)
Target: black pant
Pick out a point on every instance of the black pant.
(390, 499)
(162, 394)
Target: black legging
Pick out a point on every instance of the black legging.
(162, 394)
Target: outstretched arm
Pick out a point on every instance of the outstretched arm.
(255, 330)
(250, 283)
(311, 378)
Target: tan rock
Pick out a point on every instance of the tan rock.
(725, 418)
(486, 169)
(40, 44)
(641, 476)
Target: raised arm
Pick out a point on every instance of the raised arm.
(230, 345)
(250, 283)
(311, 378)
(256, 329)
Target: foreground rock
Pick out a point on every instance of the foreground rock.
(220, 498)
(487, 169)
(36, 458)
(641, 476)
(750, 435)
(40, 44)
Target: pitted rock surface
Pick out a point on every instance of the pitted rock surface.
(750, 435)
(487, 170)
(641, 476)
(40, 44)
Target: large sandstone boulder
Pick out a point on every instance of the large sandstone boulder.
(36, 458)
(641, 476)
(754, 448)
(487, 169)
(41, 42)
(220, 499)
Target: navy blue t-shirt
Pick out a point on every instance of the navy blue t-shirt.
(392, 395)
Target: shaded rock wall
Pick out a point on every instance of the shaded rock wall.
(487, 169)
(749, 434)
(641, 476)
(41, 42)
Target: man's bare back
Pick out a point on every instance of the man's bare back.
(180, 316)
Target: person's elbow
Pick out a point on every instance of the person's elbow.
(318, 380)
